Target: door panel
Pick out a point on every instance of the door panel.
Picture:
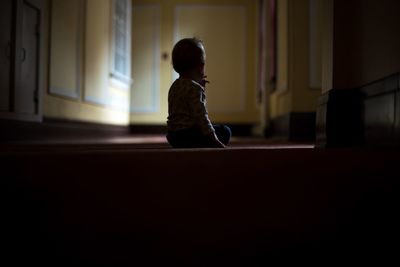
(66, 48)
(26, 93)
(146, 55)
(5, 53)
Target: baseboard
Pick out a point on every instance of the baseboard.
(339, 119)
(294, 126)
(237, 129)
(241, 129)
(147, 129)
(59, 129)
(365, 116)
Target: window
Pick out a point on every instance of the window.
(121, 43)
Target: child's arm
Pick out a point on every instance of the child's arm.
(200, 113)
(203, 82)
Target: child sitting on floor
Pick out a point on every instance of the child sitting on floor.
(188, 122)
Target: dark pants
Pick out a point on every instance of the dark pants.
(193, 137)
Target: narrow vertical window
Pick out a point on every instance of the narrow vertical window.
(121, 42)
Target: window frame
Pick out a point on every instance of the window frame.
(118, 79)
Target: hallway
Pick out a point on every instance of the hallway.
(310, 88)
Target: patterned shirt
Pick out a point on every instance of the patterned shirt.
(187, 107)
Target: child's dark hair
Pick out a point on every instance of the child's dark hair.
(187, 54)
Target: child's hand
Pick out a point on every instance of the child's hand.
(203, 82)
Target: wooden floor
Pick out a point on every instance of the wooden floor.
(134, 201)
(143, 142)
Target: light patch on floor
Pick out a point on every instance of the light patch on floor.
(159, 141)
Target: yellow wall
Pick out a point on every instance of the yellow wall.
(79, 82)
(232, 92)
(79, 73)
(293, 89)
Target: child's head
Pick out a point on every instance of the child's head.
(188, 56)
